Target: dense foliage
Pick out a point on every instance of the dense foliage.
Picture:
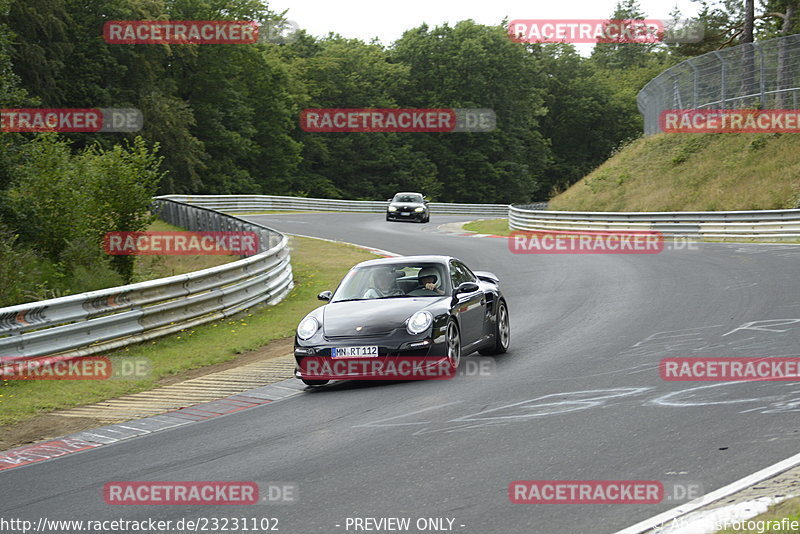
(224, 118)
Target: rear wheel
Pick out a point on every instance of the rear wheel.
(502, 332)
(453, 339)
(314, 382)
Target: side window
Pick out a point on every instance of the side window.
(459, 273)
(470, 277)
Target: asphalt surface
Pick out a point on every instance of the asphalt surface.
(578, 397)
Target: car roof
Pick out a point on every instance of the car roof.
(408, 193)
(407, 259)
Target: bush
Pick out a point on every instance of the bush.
(19, 270)
(58, 201)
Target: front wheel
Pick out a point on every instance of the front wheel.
(453, 339)
(314, 382)
(502, 332)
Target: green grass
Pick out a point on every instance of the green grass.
(685, 172)
(789, 509)
(489, 226)
(317, 265)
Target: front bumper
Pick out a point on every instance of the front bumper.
(406, 216)
(316, 362)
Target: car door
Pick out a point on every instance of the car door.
(470, 306)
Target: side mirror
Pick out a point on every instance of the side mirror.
(388, 200)
(466, 287)
(325, 295)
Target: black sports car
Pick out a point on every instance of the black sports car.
(408, 207)
(431, 307)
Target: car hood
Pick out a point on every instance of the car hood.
(410, 205)
(379, 316)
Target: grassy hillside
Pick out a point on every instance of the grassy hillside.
(684, 172)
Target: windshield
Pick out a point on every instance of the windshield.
(393, 281)
(407, 198)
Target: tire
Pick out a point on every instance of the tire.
(387, 218)
(502, 332)
(453, 341)
(314, 382)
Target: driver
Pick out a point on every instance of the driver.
(428, 278)
(385, 285)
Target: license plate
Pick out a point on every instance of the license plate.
(355, 352)
(406, 214)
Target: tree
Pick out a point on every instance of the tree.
(622, 54)
(348, 73)
(475, 66)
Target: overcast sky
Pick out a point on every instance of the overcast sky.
(387, 20)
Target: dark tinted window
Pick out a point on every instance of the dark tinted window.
(459, 273)
(470, 275)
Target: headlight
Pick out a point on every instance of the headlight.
(419, 210)
(392, 208)
(419, 322)
(308, 327)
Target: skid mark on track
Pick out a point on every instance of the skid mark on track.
(385, 422)
(553, 404)
(543, 406)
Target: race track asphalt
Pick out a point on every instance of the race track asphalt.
(578, 397)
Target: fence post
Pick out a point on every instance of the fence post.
(761, 77)
(723, 98)
(694, 83)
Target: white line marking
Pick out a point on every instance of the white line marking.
(709, 498)
(429, 408)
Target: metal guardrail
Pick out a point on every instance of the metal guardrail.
(763, 75)
(102, 320)
(764, 225)
(251, 203)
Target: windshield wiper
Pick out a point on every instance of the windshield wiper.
(347, 300)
